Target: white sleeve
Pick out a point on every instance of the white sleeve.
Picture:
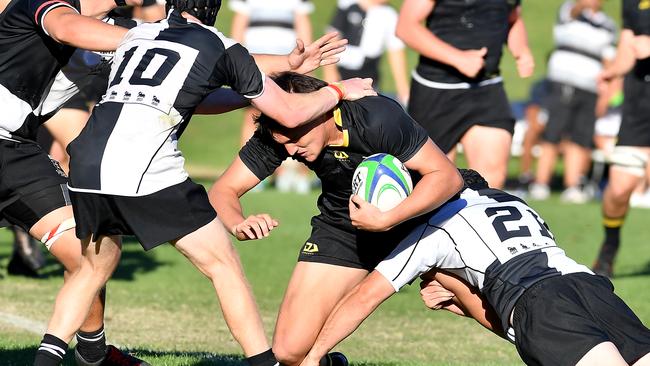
(392, 42)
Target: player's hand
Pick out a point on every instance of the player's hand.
(525, 64)
(641, 46)
(254, 227)
(365, 216)
(434, 295)
(471, 62)
(322, 52)
(356, 88)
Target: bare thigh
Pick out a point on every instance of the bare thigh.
(487, 150)
(313, 291)
(603, 354)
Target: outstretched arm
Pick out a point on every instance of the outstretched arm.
(350, 312)
(68, 27)
(304, 59)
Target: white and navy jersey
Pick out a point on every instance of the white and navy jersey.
(370, 125)
(160, 73)
(29, 62)
(468, 25)
(369, 34)
(271, 23)
(581, 44)
(636, 17)
(489, 238)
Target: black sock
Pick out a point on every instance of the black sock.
(266, 358)
(92, 345)
(50, 352)
(612, 236)
(333, 359)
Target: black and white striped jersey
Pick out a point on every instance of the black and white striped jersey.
(29, 62)
(369, 33)
(581, 44)
(160, 73)
(491, 239)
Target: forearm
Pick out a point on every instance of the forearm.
(518, 38)
(331, 73)
(272, 64)
(87, 33)
(427, 44)
(302, 25)
(397, 62)
(228, 207)
(624, 60)
(431, 192)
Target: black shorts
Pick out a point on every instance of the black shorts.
(354, 249)
(447, 114)
(635, 125)
(571, 115)
(558, 320)
(89, 93)
(31, 184)
(154, 219)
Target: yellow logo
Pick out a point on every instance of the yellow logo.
(644, 4)
(310, 248)
(341, 155)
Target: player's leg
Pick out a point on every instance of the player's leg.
(212, 253)
(487, 150)
(313, 291)
(545, 167)
(98, 261)
(603, 354)
(622, 181)
(576, 163)
(643, 361)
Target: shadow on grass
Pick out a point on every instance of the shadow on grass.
(134, 260)
(25, 356)
(642, 271)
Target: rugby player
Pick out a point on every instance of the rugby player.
(556, 311)
(127, 176)
(337, 256)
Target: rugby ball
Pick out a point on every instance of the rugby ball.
(382, 180)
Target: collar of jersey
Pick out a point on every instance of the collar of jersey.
(338, 120)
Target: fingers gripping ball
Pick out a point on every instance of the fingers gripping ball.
(382, 180)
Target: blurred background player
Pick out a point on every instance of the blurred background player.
(584, 39)
(630, 155)
(457, 92)
(369, 26)
(272, 27)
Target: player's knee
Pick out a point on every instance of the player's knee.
(286, 354)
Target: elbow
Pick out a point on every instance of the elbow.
(290, 119)
(401, 31)
(456, 182)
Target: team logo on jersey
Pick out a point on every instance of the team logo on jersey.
(127, 95)
(155, 101)
(310, 248)
(140, 97)
(113, 95)
(341, 155)
(644, 4)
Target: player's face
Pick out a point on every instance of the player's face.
(306, 141)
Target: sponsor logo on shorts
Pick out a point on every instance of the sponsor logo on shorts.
(310, 248)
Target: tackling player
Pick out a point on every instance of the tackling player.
(337, 256)
(556, 311)
(127, 176)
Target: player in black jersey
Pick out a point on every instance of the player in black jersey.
(456, 90)
(336, 256)
(162, 74)
(556, 311)
(632, 152)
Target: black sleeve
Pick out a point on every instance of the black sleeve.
(339, 20)
(627, 12)
(237, 69)
(391, 129)
(39, 8)
(261, 156)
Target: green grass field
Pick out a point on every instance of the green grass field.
(161, 308)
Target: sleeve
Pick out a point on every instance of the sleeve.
(261, 157)
(627, 12)
(391, 130)
(239, 6)
(392, 42)
(237, 69)
(38, 9)
(564, 14)
(305, 7)
(339, 20)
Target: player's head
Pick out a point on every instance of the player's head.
(308, 140)
(204, 10)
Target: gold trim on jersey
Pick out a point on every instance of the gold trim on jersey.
(644, 4)
(338, 120)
